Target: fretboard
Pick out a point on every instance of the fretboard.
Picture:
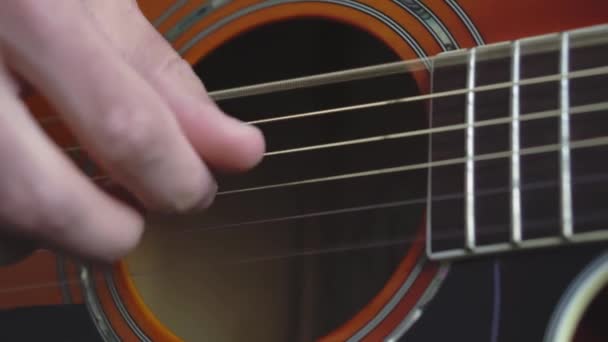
(519, 145)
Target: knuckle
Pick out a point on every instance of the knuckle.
(146, 48)
(175, 65)
(128, 135)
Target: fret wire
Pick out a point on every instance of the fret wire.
(535, 243)
(564, 134)
(470, 153)
(516, 224)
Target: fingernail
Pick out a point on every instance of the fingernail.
(207, 200)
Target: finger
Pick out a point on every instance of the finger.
(223, 141)
(115, 113)
(44, 197)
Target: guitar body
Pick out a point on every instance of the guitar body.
(343, 260)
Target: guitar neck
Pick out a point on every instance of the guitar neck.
(519, 135)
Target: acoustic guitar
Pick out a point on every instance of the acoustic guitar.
(436, 170)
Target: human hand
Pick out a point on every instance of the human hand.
(131, 101)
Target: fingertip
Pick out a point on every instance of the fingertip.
(242, 147)
(225, 143)
(252, 146)
(109, 228)
(123, 237)
(209, 194)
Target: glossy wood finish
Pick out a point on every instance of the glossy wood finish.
(37, 280)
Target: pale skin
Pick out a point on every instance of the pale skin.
(131, 101)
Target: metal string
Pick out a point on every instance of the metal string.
(362, 73)
(588, 179)
(408, 167)
(593, 142)
(299, 253)
(357, 74)
(462, 91)
(407, 134)
(495, 86)
(488, 156)
(353, 246)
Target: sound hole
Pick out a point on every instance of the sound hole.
(293, 263)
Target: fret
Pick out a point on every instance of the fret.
(540, 206)
(565, 172)
(545, 186)
(446, 212)
(516, 215)
(588, 49)
(492, 208)
(470, 153)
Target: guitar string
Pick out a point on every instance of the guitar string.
(530, 116)
(407, 134)
(374, 244)
(578, 144)
(361, 73)
(488, 230)
(252, 90)
(539, 223)
(589, 72)
(575, 110)
(100, 277)
(442, 94)
(438, 236)
(399, 135)
(587, 179)
(425, 97)
(584, 143)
